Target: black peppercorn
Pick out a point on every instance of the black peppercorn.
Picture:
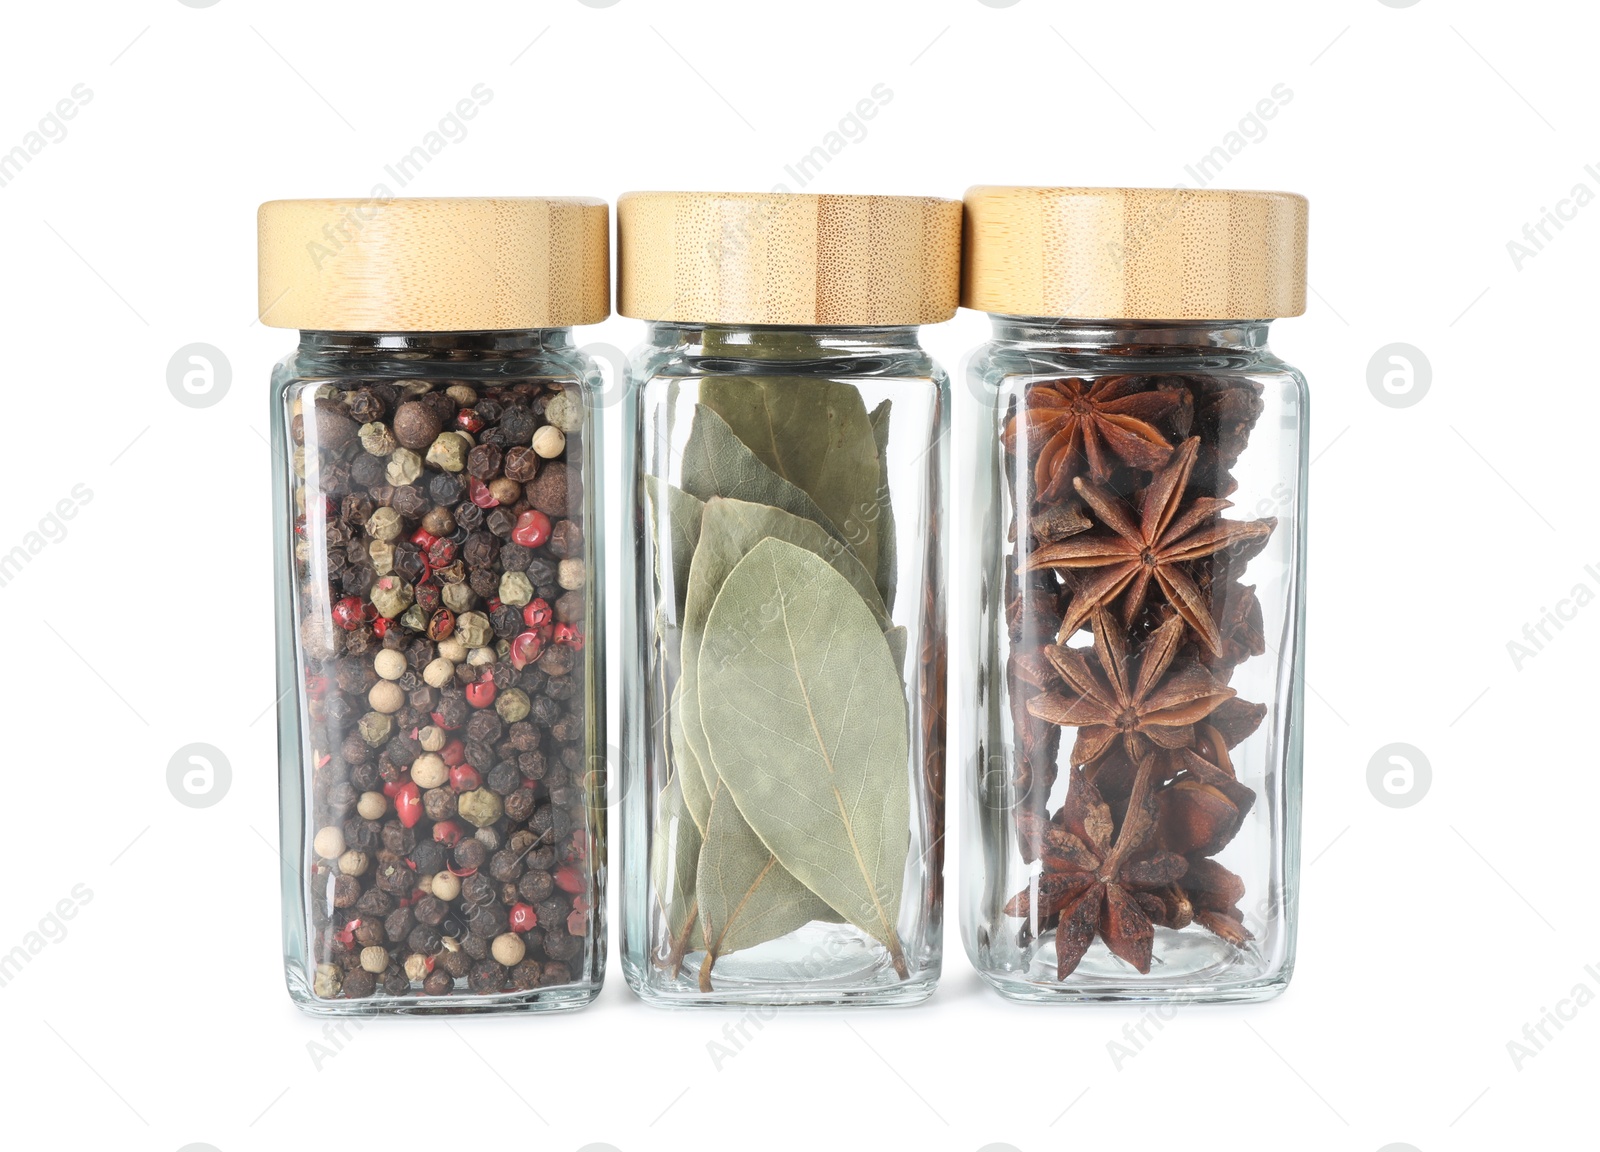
(470, 854)
(454, 961)
(359, 983)
(438, 983)
(469, 516)
(430, 910)
(519, 804)
(369, 933)
(428, 856)
(535, 886)
(505, 865)
(424, 940)
(366, 471)
(410, 502)
(486, 978)
(555, 972)
(483, 462)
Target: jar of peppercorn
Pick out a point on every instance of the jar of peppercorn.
(1133, 798)
(441, 719)
(784, 687)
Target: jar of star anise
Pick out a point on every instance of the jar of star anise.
(1133, 809)
(784, 695)
(441, 719)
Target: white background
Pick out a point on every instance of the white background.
(1426, 138)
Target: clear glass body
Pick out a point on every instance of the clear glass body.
(1132, 814)
(441, 723)
(784, 683)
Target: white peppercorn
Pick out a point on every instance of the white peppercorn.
(446, 886)
(462, 394)
(429, 771)
(451, 648)
(432, 738)
(386, 696)
(353, 862)
(438, 672)
(481, 657)
(375, 959)
(571, 574)
(508, 949)
(372, 805)
(325, 985)
(549, 442)
(328, 843)
(389, 663)
(416, 967)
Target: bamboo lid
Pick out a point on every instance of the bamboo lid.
(787, 258)
(434, 265)
(1135, 253)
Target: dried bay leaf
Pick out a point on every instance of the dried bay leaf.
(717, 463)
(745, 897)
(678, 513)
(692, 777)
(805, 718)
(888, 568)
(814, 433)
(729, 530)
(674, 855)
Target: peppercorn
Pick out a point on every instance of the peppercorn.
(438, 983)
(505, 866)
(555, 972)
(554, 492)
(520, 804)
(398, 923)
(416, 424)
(535, 886)
(453, 960)
(469, 854)
(369, 934)
(359, 983)
(375, 903)
(483, 462)
(521, 464)
(486, 978)
(439, 804)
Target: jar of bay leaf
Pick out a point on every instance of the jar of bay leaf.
(441, 720)
(1133, 796)
(784, 647)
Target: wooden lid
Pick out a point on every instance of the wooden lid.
(434, 265)
(1135, 253)
(787, 258)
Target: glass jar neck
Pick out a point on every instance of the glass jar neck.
(1132, 337)
(781, 342)
(464, 346)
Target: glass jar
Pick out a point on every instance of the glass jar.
(441, 719)
(1133, 802)
(784, 684)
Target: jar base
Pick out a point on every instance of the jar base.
(658, 992)
(559, 998)
(1189, 967)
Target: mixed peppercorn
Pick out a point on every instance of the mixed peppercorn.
(441, 569)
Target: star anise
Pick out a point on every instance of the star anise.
(1151, 546)
(1143, 703)
(1072, 423)
(1096, 882)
